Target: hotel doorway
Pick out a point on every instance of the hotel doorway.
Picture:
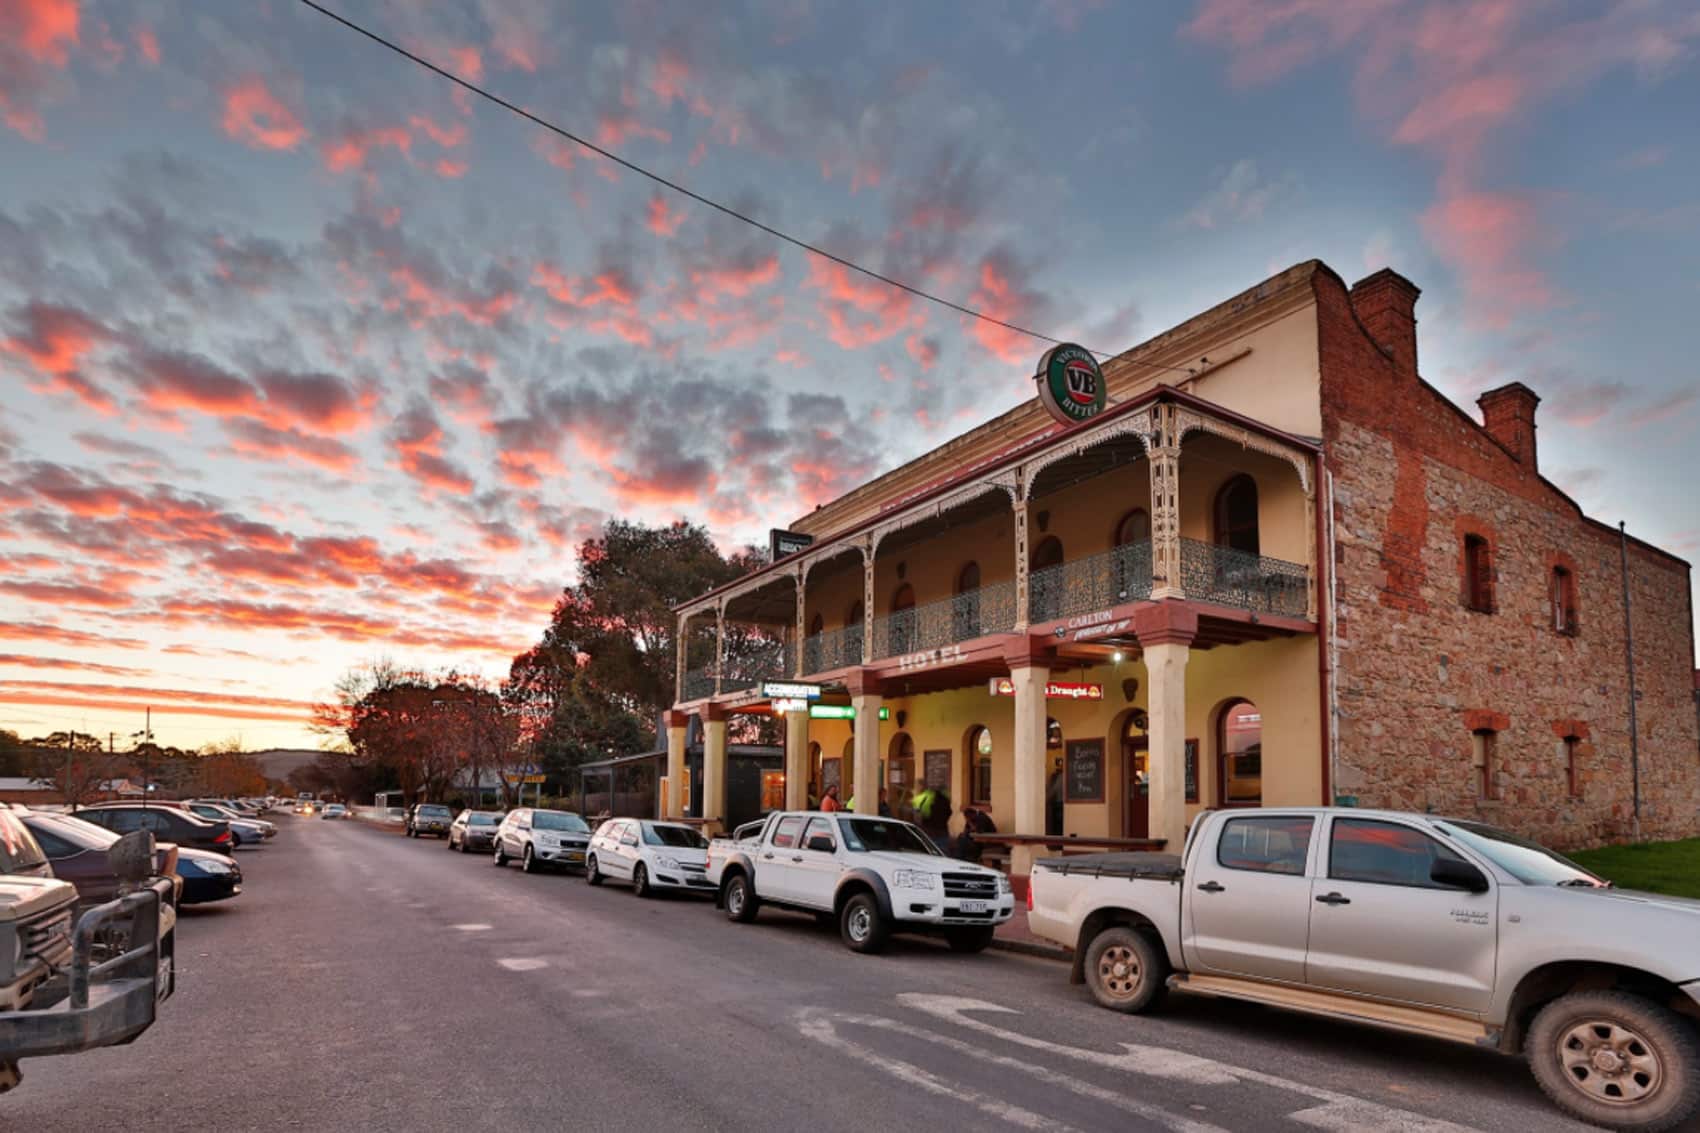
(1136, 774)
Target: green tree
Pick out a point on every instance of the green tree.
(74, 763)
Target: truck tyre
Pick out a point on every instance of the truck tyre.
(591, 873)
(975, 939)
(862, 926)
(740, 899)
(1616, 1060)
(1125, 970)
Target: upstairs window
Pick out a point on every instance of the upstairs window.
(1478, 574)
(1562, 598)
(1236, 515)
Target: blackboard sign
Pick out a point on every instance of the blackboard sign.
(1192, 771)
(936, 770)
(1085, 779)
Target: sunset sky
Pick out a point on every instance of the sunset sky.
(308, 358)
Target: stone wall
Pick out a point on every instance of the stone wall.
(1418, 670)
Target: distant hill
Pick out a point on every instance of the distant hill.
(277, 762)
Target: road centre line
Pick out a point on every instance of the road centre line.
(818, 1026)
(522, 963)
(472, 927)
(1169, 1120)
(1340, 1111)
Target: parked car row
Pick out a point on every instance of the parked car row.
(1446, 929)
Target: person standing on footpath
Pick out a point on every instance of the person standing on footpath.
(829, 801)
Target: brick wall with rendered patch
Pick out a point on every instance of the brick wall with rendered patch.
(1417, 668)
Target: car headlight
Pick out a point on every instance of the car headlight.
(667, 862)
(912, 879)
(1003, 885)
(217, 869)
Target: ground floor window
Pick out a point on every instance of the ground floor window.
(1239, 746)
(772, 790)
(1484, 743)
(980, 766)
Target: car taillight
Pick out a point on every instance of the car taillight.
(224, 836)
(1030, 894)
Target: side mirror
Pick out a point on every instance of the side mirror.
(821, 842)
(132, 857)
(1455, 874)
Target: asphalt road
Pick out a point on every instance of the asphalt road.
(368, 981)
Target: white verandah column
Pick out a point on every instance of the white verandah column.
(1166, 631)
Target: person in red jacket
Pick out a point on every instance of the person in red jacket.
(829, 801)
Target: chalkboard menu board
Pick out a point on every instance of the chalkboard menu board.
(935, 771)
(1085, 778)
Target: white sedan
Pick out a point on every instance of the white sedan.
(651, 855)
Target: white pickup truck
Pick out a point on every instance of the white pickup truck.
(1433, 926)
(873, 876)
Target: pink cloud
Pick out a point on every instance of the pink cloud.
(448, 137)
(45, 30)
(349, 149)
(55, 340)
(861, 311)
(1000, 297)
(147, 44)
(256, 117)
(1486, 235)
(614, 129)
(451, 169)
(660, 220)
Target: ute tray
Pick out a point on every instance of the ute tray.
(1134, 866)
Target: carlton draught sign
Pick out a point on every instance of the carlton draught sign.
(1071, 387)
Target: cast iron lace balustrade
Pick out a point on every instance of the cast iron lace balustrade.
(1119, 575)
(768, 660)
(833, 649)
(1243, 580)
(698, 683)
(976, 613)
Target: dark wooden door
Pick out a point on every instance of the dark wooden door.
(1136, 754)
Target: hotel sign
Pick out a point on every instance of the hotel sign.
(1071, 387)
(790, 690)
(1054, 690)
(783, 543)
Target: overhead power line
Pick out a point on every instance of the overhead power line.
(668, 183)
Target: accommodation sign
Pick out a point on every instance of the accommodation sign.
(790, 690)
(1071, 387)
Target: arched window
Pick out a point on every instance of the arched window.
(965, 608)
(1045, 584)
(1135, 527)
(816, 625)
(980, 765)
(1478, 574)
(900, 631)
(1563, 598)
(1236, 515)
(854, 625)
(1131, 559)
(1239, 755)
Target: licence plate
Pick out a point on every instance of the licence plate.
(973, 906)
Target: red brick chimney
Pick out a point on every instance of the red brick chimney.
(1508, 414)
(1386, 304)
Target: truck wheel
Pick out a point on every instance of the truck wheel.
(1616, 1060)
(1125, 970)
(976, 939)
(591, 873)
(862, 926)
(740, 900)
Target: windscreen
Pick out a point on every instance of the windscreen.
(18, 851)
(682, 837)
(1529, 862)
(882, 835)
(482, 820)
(559, 820)
(432, 811)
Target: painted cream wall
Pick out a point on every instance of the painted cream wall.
(1278, 383)
(932, 567)
(1084, 516)
(1208, 462)
(832, 592)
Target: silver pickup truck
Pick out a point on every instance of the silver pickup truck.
(1433, 926)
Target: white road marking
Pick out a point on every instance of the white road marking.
(1153, 1113)
(471, 927)
(1339, 1111)
(819, 1027)
(522, 963)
